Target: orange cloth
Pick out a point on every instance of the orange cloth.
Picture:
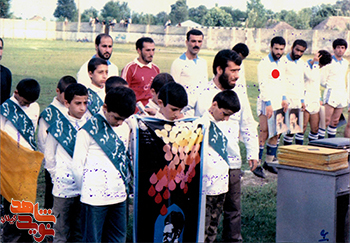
(19, 169)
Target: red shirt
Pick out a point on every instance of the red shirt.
(139, 77)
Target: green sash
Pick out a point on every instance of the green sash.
(51, 114)
(218, 141)
(103, 134)
(20, 121)
(64, 132)
(94, 102)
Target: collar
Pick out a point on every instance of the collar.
(336, 60)
(58, 104)
(309, 63)
(96, 89)
(271, 58)
(289, 57)
(149, 65)
(108, 62)
(184, 57)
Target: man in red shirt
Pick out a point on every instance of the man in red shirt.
(140, 72)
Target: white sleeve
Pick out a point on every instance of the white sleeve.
(262, 80)
(79, 156)
(175, 72)
(2, 122)
(50, 155)
(248, 129)
(42, 134)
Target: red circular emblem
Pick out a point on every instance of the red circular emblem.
(275, 73)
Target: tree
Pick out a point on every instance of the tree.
(115, 10)
(343, 6)
(238, 16)
(256, 14)
(66, 9)
(179, 12)
(197, 14)
(161, 18)
(217, 17)
(91, 12)
(5, 8)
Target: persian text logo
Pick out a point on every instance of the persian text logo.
(28, 217)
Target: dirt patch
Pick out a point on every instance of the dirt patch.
(249, 179)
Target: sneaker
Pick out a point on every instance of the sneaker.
(269, 168)
(259, 172)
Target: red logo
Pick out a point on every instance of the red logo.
(275, 73)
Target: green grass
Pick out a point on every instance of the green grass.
(47, 61)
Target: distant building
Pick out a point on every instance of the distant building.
(190, 23)
(37, 18)
(334, 23)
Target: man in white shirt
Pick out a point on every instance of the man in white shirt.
(104, 49)
(226, 68)
(271, 78)
(335, 95)
(294, 74)
(189, 69)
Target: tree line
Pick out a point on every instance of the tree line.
(255, 16)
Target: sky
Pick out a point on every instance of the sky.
(45, 8)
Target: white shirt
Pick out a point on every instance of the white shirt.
(312, 82)
(191, 74)
(241, 124)
(271, 81)
(100, 182)
(334, 74)
(83, 74)
(215, 169)
(241, 82)
(294, 76)
(32, 112)
(59, 164)
(43, 125)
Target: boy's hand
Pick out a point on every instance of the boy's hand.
(151, 111)
(253, 163)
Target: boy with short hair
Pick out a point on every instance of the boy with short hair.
(98, 73)
(19, 117)
(172, 98)
(100, 168)
(50, 115)
(158, 82)
(216, 165)
(115, 81)
(59, 149)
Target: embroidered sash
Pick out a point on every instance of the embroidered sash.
(218, 141)
(51, 114)
(103, 134)
(20, 121)
(64, 132)
(94, 102)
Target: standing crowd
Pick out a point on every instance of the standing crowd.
(84, 133)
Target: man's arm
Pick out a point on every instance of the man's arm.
(42, 134)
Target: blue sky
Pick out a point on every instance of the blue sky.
(45, 8)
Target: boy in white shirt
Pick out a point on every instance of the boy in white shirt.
(49, 115)
(216, 165)
(98, 73)
(101, 168)
(59, 149)
(158, 82)
(172, 98)
(19, 118)
(313, 99)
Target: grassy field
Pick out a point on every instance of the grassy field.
(48, 61)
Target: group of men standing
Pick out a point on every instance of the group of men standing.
(285, 82)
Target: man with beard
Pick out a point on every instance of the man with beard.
(271, 78)
(226, 67)
(141, 71)
(295, 68)
(104, 49)
(5, 78)
(189, 70)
